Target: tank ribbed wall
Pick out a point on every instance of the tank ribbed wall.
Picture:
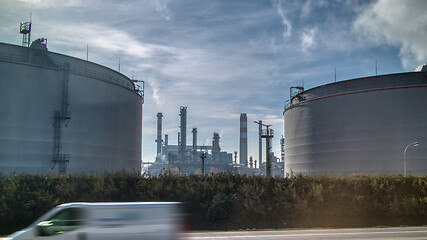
(359, 126)
(103, 133)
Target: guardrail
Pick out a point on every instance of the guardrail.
(81, 70)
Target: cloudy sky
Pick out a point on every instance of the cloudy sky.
(221, 58)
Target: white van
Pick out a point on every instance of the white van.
(105, 221)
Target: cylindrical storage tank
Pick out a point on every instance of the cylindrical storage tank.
(60, 114)
(360, 126)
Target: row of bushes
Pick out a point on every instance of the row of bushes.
(224, 202)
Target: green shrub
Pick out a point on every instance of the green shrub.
(226, 202)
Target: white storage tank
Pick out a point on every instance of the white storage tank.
(60, 114)
(360, 126)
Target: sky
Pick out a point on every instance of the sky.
(221, 58)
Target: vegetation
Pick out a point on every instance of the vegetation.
(224, 202)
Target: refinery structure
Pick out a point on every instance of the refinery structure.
(188, 159)
(372, 125)
(60, 114)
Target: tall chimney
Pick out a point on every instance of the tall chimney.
(159, 133)
(183, 130)
(216, 149)
(243, 139)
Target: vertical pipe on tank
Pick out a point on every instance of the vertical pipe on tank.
(159, 133)
(243, 139)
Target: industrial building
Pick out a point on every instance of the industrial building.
(60, 114)
(186, 159)
(371, 125)
(183, 159)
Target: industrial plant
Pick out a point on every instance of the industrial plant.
(183, 159)
(60, 114)
(371, 125)
(188, 159)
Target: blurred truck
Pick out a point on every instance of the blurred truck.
(105, 221)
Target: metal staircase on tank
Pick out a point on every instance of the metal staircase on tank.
(61, 117)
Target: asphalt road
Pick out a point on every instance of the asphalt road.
(357, 233)
(404, 233)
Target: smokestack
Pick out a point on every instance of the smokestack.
(166, 143)
(194, 131)
(159, 133)
(260, 142)
(243, 139)
(183, 131)
(216, 150)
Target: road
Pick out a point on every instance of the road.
(342, 234)
(404, 233)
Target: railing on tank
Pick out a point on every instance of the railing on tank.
(81, 70)
(101, 76)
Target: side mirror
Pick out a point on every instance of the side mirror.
(45, 228)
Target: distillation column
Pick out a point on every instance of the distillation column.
(159, 133)
(165, 150)
(243, 139)
(194, 131)
(260, 143)
(282, 149)
(216, 149)
(268, 134)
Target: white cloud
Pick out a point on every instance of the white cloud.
(307, 39)
(399, 23)
(310, 5)
(53, 3)
(287, 31)
(163, 9)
